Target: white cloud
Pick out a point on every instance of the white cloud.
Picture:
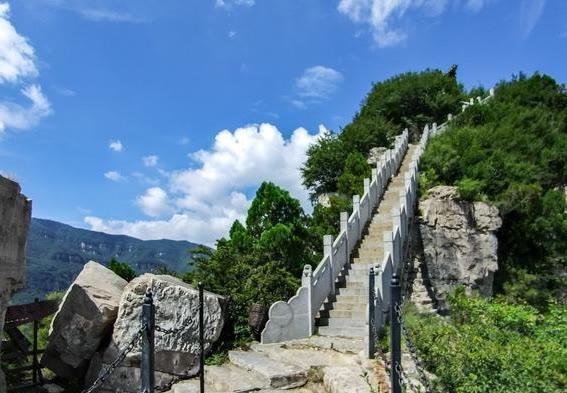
(16, 116)
(206, 199)
(231, 34)
(17, 58)
(227, 4)
(530, 14)
(384, 17)
(17, 63)
(150, 160)
(114, 176)
(318, 82)
(115, 146)
(155, 202)
(104, 15)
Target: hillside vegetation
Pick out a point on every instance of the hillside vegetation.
(511, 152)
(56, 253)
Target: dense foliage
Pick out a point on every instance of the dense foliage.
(513, 152)
(493, 346)
(260, 263)
(122, 269)
(408, 100)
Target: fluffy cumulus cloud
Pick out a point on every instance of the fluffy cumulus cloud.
(116, 146)
(154, 202)
(203, 201)
(17, 67)
(384, 17)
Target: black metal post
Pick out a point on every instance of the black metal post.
(35, 363)
(395, 335)
(201, 340)
(148, 323)
(371, 314)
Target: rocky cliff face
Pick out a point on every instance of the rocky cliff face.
(459, 243)
(15, 215)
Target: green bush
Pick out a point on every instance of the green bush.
(492, 346)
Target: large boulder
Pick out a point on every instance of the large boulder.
(15, 216)
(459, 243)
(84, 321)
(176, 352)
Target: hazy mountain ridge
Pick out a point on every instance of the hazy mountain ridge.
(56, 254)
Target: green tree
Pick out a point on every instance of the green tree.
(122, 269)
(356, 169)
(259, 263)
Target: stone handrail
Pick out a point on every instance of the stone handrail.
(296, 318)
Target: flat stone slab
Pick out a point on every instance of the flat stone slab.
(229, 378)
(339, 344)
(279, 375)
(345, 380)
(305, 358)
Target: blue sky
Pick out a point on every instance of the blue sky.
(159, 119)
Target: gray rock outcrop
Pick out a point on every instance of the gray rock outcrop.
(375, 154)
(84, 321)
(459, 243)
(15, 216)
(176, 353)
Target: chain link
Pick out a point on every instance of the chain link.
(167, 331)
(104, 375)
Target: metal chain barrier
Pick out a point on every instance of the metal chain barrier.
(423, 378)
(112, 367)
(167, 331)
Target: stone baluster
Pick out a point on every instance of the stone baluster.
(328, 251)
(307, 282)
(344, 227)
(356, 208)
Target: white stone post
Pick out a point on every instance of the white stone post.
(449, 117)
(388, 243)
(396, 222)
(307, 282)
(492, 92)
(328, 251)
(344, 227)
(375, 193)
(356, 209)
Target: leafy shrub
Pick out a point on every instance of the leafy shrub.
(493, 346)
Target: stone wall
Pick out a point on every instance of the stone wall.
(15, 216)
(459, 243)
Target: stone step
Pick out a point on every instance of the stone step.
(344, 306)
(343, 332)
(365, 260)
(358, 273)
(353, 292)
(341, 322)
(304, 357)
(230, 378)
(354, 299)
(348, 314)
(345, 380)
(357, 284)
(278, 375)
(360, 268)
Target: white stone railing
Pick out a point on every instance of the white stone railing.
(296, 318)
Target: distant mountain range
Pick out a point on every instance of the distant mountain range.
(56, 254)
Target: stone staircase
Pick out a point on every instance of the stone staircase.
(345, 313)
(314, 365)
